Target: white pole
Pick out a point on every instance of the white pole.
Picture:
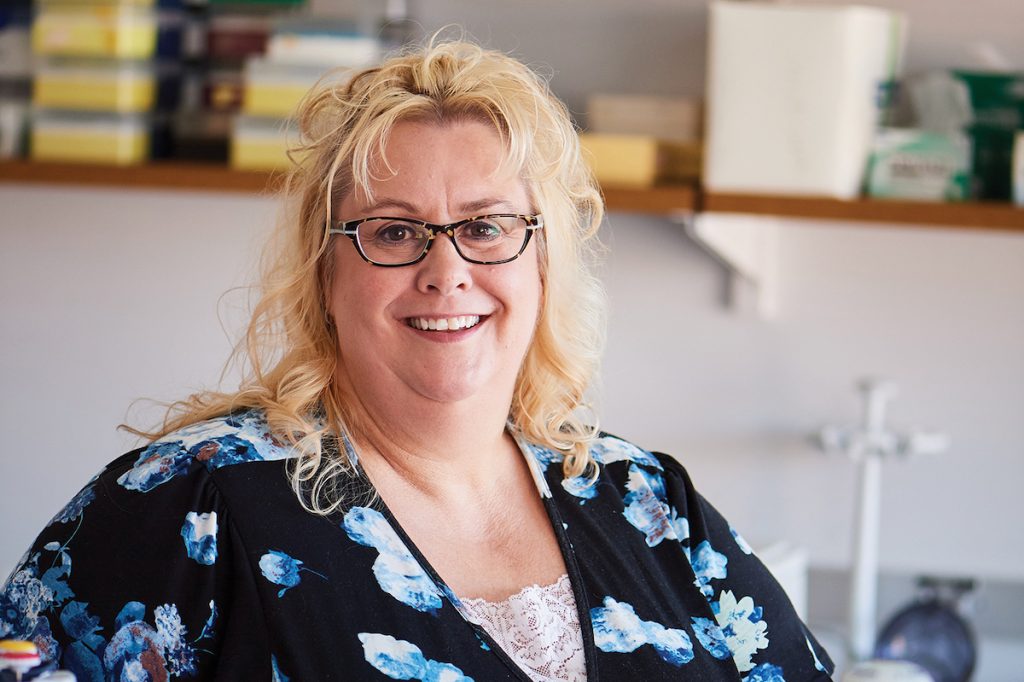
(864, 593)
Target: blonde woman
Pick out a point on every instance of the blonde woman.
(405, 488)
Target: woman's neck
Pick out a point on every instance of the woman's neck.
(438, 449)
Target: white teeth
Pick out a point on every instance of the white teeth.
(444, 323)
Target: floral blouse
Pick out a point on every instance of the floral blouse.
(192, 558)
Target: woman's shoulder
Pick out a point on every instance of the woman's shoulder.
(232, 439)
(619, 465)
(606, 450)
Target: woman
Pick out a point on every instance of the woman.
(405, 487)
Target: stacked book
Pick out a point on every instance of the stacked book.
(96, 95)
(640, 140)
(15, 75)
(300, 54)
(220, 36)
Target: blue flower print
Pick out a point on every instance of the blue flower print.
(681, 525)
(766, 672)
(216, 443)
(157, 464)
(83, 662)
(711, 637)
(277, 675)
(740, 542)
(210, 622)
(79, 624)
(609, 449)
(281, 569)
(707, 564)
(73, 509)
(652, 480)
(544, 457)
(401, 660)
(200, 535)
(141, 652)
(396, 569)
(135, 652)
(745, 632)
(581, 487)
(82, 657)
(25, 598)
(644, 510)
(618, 629)
(179, 655)
(817, 663)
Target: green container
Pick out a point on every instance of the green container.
(998, 103)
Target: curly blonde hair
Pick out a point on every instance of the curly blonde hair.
(290, 345)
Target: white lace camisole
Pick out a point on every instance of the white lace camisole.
(538, 627)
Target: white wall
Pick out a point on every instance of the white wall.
(108, 296)
(938, 311)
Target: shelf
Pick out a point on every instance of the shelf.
(677, 201)
(969, 215)
(219, 178)
(667, 200)
(157, 175)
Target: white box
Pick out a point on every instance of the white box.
(789, 566)
(793, 95)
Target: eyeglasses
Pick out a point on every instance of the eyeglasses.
(485, 240)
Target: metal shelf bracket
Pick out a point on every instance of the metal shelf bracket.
(747, 247)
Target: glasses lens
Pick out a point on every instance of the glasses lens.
(392, 242)
(492, 238)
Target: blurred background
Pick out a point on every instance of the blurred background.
(801, 196)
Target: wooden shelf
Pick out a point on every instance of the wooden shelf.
(672, 200)
(157, 175)
(662, 200)
(219, 178)
(969, 215)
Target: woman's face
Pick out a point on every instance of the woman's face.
(442, 173)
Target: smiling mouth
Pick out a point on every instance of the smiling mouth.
(443, 324)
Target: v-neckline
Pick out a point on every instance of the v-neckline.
(564, 547)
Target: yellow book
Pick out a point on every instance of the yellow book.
(94, 31)
(640, 160)
(92, 90)
(89, 147)
(273, 100)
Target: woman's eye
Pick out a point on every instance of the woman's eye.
(482, 230)
(395, 233)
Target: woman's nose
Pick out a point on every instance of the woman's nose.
(443, 270)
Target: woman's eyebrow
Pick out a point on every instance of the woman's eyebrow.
(489, 203)
(385, 202)
(468, 208)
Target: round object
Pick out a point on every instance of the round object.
(18, 655)
(932, 635)
(887, 671)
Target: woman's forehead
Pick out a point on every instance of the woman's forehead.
(463, 163)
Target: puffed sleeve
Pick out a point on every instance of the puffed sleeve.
(136, 578)
(755, 622)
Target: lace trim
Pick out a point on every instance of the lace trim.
(539, 629)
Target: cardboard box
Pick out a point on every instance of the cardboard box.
(667, 118)
(920, 165)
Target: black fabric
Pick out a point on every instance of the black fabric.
(194, 559)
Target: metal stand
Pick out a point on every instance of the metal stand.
(868, 445)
